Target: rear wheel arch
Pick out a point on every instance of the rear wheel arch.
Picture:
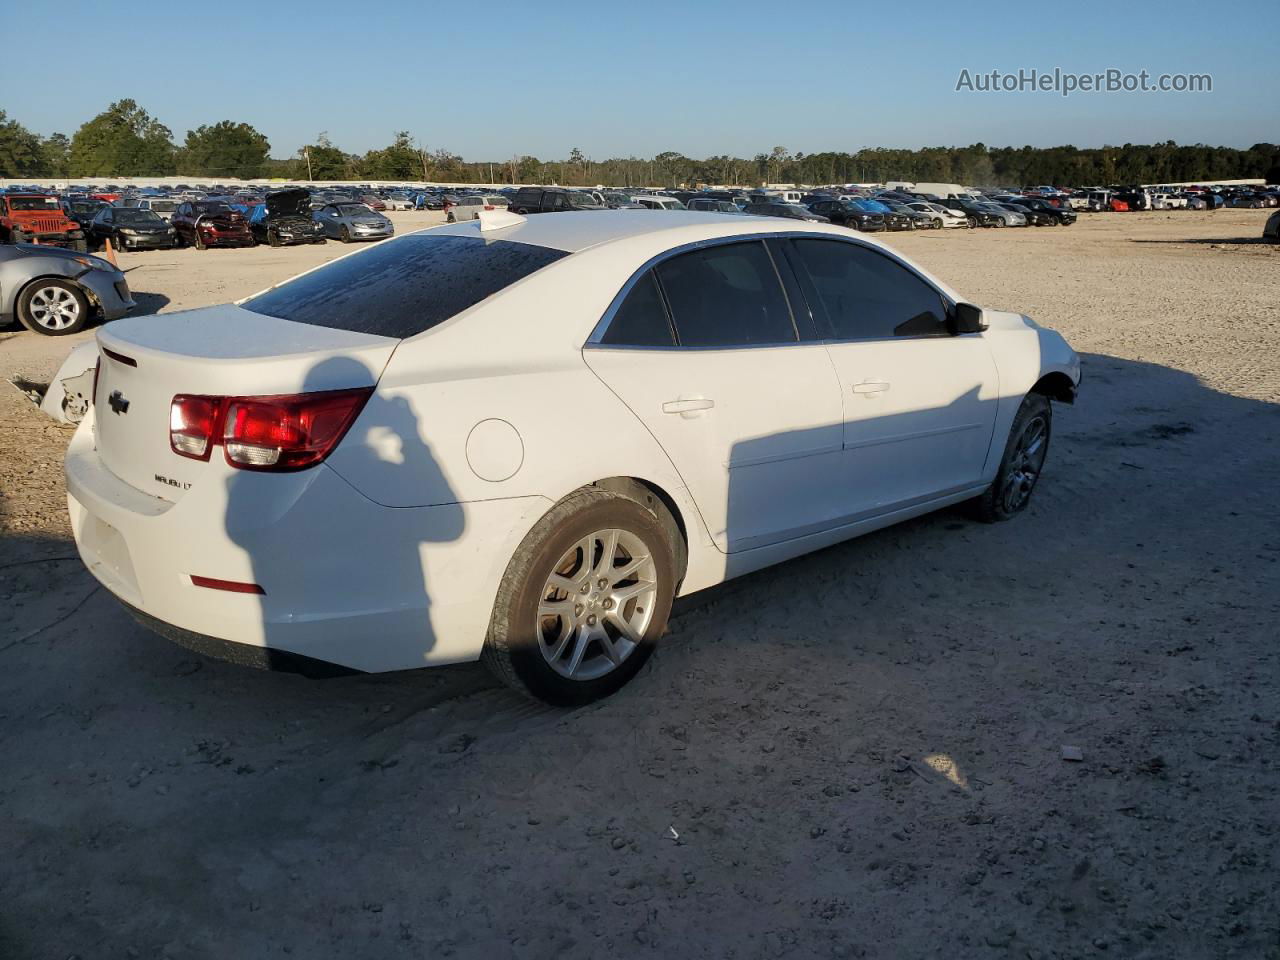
(663, 506)
(516, 655)
(1056, 386)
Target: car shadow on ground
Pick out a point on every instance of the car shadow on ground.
(147, 303)
(1241, 241)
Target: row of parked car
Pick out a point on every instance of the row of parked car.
(869, 212)
(1120, 199)
(207, 216)
(146, 222)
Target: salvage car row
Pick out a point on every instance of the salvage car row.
(867, 212)
(284, 217)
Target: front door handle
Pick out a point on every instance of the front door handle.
(870, 386)
(688, 408)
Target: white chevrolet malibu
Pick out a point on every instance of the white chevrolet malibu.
(521, 439)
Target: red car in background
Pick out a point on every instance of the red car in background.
(372, 202)
(210, 223)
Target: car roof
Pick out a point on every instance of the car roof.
(574, 232)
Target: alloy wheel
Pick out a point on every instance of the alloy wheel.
(54, 308)
(1025, 464)
(597, 604)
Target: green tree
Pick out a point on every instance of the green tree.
(399, 161)
(225, 149)
(323, 161)
(123, 140)
(57, 152)
(21, 152)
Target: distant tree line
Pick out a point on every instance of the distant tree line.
(125, 140)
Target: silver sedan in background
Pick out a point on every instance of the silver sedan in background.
(1007, 217)
(353, 221)
(55, 292)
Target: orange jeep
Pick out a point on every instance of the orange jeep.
(38, 218)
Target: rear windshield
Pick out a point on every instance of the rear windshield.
(405, 286)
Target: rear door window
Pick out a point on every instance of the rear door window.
(405, 286)
(641, 320)
(727, 296)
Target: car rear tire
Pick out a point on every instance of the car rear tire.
(585, 598)
(1022, 463)
(53, 307)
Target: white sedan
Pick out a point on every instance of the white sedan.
(520, 439)
(941, 215)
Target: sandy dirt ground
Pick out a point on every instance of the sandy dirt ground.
(855, 754)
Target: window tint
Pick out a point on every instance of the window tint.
(726, 296)
(869, 296)
(404, 286)
(641, 320)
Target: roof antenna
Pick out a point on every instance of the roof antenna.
(499, 220)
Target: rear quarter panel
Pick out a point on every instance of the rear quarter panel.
(513, 361)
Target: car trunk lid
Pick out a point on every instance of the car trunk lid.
(217, 351)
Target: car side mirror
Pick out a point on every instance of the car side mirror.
(966, 318)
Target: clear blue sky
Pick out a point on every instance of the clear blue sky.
(640, 78)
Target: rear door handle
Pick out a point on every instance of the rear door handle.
(870, 387)
(688, 408)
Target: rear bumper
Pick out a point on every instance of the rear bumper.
(241, 654)
(347, 581)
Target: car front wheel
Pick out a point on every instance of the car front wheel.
(585, 598)
(53, 307)
(1021, 465)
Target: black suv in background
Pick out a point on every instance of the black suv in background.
(846, 214)
(1059, 216)
(550, 200)
(977, 216)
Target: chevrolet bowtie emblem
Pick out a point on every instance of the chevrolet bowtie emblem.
(117, 402)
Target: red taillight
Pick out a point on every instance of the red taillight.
(97, 372)
(490, 206)
(289, 432)
(193, 423)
